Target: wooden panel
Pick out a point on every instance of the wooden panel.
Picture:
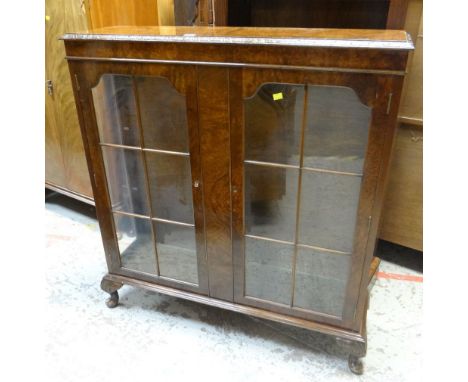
(214, 137)
(411, 109)
(385, 121)
(402, 213)
(402, 221)
(205, 13)
(413, 18)
(62, 128)
(54, 168)
(76, 170)
(165, 12)
(103, 13)
(131, 33)
(220, 12)
(397, 14)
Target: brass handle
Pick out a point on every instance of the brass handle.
(196, 184)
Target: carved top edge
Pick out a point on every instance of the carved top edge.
(300, 37)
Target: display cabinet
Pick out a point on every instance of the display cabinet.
(242, 167)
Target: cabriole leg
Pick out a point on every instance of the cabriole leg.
(111, 287)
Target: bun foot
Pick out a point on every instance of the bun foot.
(355, 365)
(113, 300)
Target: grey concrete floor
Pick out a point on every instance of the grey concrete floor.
(156, 337)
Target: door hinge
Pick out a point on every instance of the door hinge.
(389, 103)
(50, 87)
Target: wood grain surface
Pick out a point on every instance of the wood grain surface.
(402, 221)
(220, 94)
(71, 171)
(102, 13)
(54, 166)
(213, 91)
(249, 32)
(411, 109)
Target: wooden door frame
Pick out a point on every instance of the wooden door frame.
(87, 75)
(373, 91)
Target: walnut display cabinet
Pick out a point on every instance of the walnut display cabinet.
(242, 168)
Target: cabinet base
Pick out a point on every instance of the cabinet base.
(353, 343)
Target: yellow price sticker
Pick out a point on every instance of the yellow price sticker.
(277, 96)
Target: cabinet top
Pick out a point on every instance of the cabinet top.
(301, 37)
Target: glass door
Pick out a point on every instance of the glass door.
(149, 153)
(302, 172)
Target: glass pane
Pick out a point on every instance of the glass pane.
(270, 201)
(136, 243)
(170, 181)
(273, 120)
(268, 270)
(163, 113)
(329, 205)
(337, 129)
(177, 252)
(126, 180)
(321, 280)
(116, 116)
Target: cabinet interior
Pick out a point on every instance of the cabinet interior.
(352, 14)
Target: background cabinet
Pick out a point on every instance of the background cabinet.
(402, 222)
(65, 161)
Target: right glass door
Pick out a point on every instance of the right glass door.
(303, 160)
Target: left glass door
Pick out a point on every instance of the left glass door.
(149, 149)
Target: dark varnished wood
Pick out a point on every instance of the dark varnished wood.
(237, 180)
(220, 12)
(355, 337)
(388, 123)
(214, 130)
(339, 58)
(216, 78)
(298, 35)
